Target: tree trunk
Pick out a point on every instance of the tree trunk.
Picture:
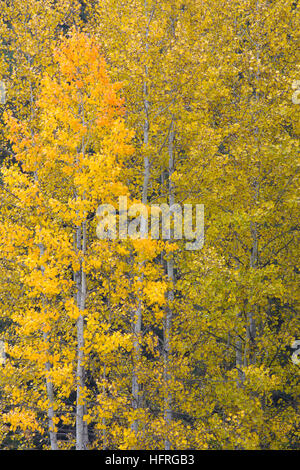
(256, 187)
(50, 395)
(80, 278)
(137, 317)
(170, 299)
(49, 383)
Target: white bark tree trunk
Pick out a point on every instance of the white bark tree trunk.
(81, 291)
(49, 383)
(170, 298)
(251, 331)
(137, 316)
(50, 395)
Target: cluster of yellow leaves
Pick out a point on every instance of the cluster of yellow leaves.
(25, 420)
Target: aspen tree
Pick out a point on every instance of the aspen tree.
(55, 151)
(204, 362)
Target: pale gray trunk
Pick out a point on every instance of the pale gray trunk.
(81, 293)
(50, 395)
(239, 341)
(80, 278)
(49, 383)
(137, 316)
(104, 438)
(170, 299)
(80, 402)
(251, 327)
(136, 398)
(2, 352)
(239, 355)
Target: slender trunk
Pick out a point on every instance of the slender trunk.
(168, 415)
(239, 356)
(104, 375)
(170, 299)
(81, 293)
(104, 438)
(82, 307)
(137, 317)
(239, 341)
(49, 383)
(80, 402)
(251, 328)
(81, 290)
(136, 398)
(50, 395)
(2, 352)
(251, 319)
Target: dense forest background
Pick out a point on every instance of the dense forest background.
(142, 344)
